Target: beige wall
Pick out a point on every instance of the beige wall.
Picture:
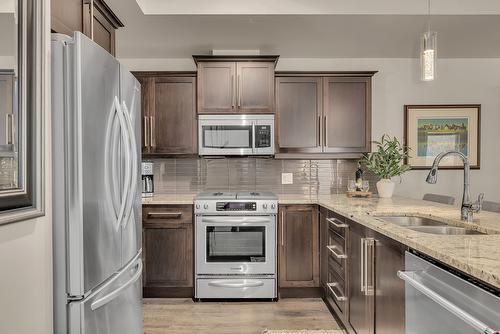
(397, 84)
(26, 259)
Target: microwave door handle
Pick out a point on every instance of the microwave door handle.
(254, 138)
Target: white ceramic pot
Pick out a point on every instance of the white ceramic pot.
(385, 188)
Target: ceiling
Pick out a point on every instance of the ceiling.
(306, 36)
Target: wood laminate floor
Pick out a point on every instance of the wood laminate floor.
(183, 316)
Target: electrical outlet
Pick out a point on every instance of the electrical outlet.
(286, 178)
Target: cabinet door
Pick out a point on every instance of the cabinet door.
(390, 289)
(66, 16)
(346, 114)
(174, 115)
(147, 105)
(361, 308)
(168, 247)
(255, 87)
(298, 105)
(216, 87)
(299, 253)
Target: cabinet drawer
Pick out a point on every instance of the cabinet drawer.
(236, 288)
(337, 223)
(336, 290)
(159, 215)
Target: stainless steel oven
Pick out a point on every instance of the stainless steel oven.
(228, 245)
(235, 245)
(236, 135)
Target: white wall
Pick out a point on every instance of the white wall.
(26, 257)
(397, 84)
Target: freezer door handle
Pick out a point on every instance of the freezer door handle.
(408, 277)
(115, 293)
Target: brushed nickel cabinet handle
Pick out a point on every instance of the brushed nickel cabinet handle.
(9, 129)
(152, 140)
(333, 250)
(362, 280)
(318, 142)
(370, 274)
(239, 91)
(325, 135)
(337, 297)
(232, 91)
(282, 227)
(337, 223)
(165, 214)
(145, 134)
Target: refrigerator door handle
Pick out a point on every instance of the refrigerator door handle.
(133, 163)
(110, 147)
(115, 293)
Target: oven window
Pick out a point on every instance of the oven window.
(236, 243)
(227, 136)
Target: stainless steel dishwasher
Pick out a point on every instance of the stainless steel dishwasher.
(438, 301)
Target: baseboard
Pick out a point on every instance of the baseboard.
(300, 292)
(168, 292)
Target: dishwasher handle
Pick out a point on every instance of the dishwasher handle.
(408, 277)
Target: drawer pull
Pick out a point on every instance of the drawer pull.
(337, 297)
(337, 223)
(166, 214)
(332, 249)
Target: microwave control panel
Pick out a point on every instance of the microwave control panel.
(262, 136)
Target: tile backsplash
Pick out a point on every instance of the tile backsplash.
(310, 177)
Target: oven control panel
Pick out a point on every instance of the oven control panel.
(236, 206)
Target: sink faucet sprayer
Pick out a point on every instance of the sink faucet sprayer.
(468, 208)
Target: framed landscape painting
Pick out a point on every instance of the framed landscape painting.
(432, 129)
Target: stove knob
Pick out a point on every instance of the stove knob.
(273, 206)
(198, 206)
(264, 206)
(205, 206)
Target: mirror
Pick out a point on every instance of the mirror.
(23, 66)
(9, 111)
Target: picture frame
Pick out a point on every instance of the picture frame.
(432, 129)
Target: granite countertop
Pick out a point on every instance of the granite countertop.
(476, 255)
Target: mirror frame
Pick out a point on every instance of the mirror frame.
(34, 86)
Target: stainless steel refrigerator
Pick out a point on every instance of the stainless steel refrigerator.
(96, 190)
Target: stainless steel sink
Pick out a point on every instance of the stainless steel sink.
(409, 221)
(427, 225)
(444, 230)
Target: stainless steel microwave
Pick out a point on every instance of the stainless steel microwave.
(235, 135)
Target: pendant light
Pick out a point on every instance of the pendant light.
(428, 50)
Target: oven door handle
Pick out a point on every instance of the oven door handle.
(226, 220)
(236, 284)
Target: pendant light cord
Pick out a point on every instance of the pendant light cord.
(429, 16)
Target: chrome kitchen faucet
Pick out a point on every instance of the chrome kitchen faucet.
(468, 208)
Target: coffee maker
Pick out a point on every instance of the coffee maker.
(148, 187)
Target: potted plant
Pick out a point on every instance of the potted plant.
(386, 162)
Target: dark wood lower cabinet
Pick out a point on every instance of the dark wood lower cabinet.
(298, 243)
(371, 298)
(168, 251)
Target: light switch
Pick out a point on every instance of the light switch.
(286, 178)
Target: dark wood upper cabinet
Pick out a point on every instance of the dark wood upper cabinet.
(234, 84)
(216, 87)
(255, 87)
(299, 111)
(92, 17)
(347, 114)
(66, 16)
(298, 244)
(169, 123)
(327, 113)
(168, 251)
